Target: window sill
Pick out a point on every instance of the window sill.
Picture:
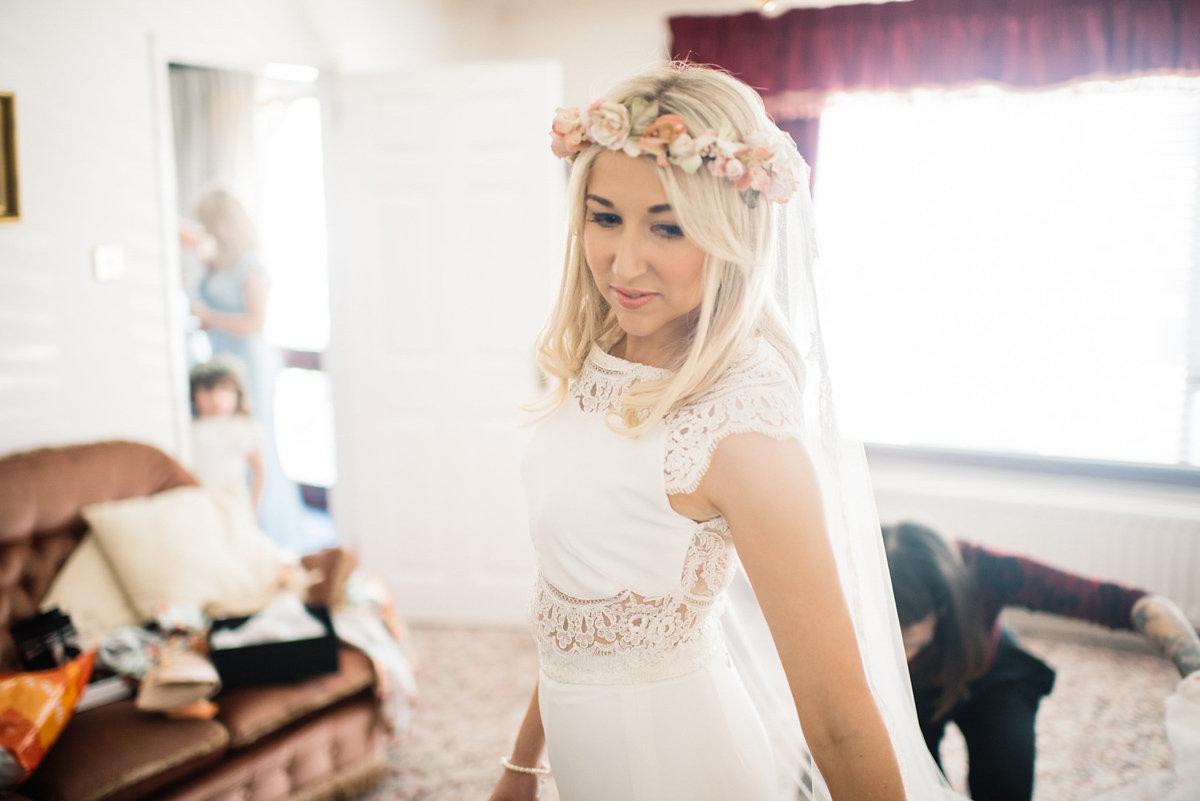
(1129, 472)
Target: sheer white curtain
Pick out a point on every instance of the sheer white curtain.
(213, 115)
(1015, 271)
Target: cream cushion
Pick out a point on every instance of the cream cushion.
(86, 589)
(189, 545)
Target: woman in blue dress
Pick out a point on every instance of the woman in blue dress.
(231, 304)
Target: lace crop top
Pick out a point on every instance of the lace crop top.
(627, 587)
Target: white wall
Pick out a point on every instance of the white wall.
(597, 42)
(370, 35)
(82, 360)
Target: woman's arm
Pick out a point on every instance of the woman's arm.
(1003, 579)
(768, 493)
(256, 475)
(527, 752)
(1166, 627)
(250, 321)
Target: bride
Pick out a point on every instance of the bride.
(688, 445)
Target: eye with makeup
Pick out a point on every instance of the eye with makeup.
(604, 219)
(667, 230)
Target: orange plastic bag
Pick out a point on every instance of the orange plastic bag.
(34, 708)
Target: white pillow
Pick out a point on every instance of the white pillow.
(189, 545)
(86, 589)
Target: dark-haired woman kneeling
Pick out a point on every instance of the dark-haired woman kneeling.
(967, 667)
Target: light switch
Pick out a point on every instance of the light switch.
(108, 262)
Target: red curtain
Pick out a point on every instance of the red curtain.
(899, 45)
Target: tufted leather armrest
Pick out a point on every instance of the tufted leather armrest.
(41, 495)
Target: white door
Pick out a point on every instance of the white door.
(445, 243)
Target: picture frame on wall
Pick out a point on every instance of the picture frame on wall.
(10, 204)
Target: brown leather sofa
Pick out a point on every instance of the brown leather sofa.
(314, 740)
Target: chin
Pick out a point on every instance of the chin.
(637, 327)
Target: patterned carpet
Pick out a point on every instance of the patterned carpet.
(1100, 733)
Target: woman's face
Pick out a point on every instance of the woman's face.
(917, 636)
(219, 401)
(637, 253)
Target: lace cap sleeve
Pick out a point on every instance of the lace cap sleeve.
(758, 395)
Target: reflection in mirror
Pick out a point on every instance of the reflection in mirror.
(251, 229)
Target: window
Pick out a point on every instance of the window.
(1012, 271)
(292, 219)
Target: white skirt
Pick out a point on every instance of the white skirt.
(692, 738)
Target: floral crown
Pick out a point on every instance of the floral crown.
(766, 164)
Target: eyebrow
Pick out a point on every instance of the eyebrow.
(659, 209)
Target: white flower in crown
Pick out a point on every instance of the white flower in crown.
(731, 167)
(608, 123)
(687, 153)
(790, 170)
(774, 165)
(784, 183)
(724, 157)
(757, 157)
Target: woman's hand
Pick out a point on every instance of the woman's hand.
(1166, 626)
(244, 323)
(194, 238)
(515, 787)
(191, 234)
(531, 743)
(201, 312)
(257, 475)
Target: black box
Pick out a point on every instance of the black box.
(276, 662)
(46, 640)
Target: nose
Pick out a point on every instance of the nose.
(628, 260)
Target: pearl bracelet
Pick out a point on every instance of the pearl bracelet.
(542, 770)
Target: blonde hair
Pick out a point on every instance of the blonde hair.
(226, 219)
(737, 238)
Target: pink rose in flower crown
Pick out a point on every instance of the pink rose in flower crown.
(567, 132)
(726, 164)
(724, 158)
(608, 123)
(735, 169)
(757, 177)
(743, 183)
(659, 135)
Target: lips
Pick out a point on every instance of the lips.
(631, 299)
